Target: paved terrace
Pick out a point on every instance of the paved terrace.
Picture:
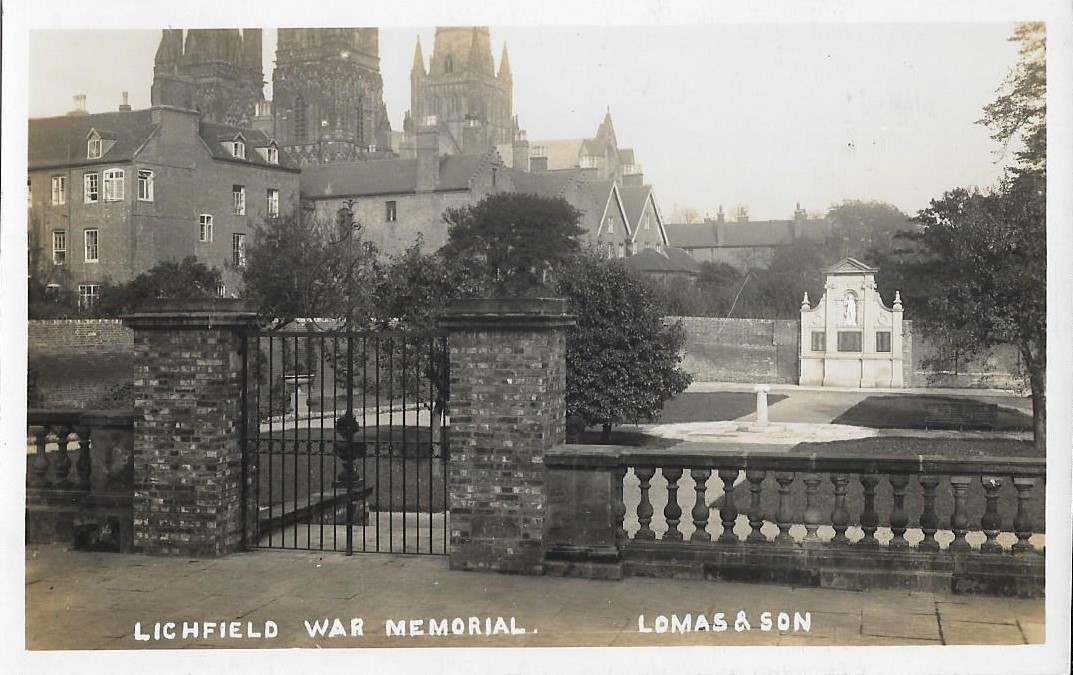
(79, 600)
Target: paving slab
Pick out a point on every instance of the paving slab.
(67, 606)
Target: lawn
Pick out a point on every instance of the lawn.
(711, 406)
(911, 411)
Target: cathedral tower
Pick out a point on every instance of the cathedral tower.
(215, 71)
(328, 96)
(472, 103)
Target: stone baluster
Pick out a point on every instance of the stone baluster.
(929, 520)
(62, 466)
(899, 519)
(869, 516)
(959, 520)
(783, 515)
(672, 512)
(728, 515)
(619, 506)
(756, 513)
(1022, 522)
(840, 514)
(813, 516)
(700, 506)
(40, 466)
(991, 522)
(644, 508)
(85, 460)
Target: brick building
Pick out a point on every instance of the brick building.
(745, 243)
(113, 194)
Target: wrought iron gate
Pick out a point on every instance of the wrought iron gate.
(346, 433)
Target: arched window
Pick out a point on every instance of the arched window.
(359, 124)
(449, 64)
(300, 115)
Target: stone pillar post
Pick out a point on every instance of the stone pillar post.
(188, 459)
(508, 406)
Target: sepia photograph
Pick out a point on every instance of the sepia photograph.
(608, 342)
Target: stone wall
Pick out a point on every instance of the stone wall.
(766, 351)
(79, 363)
(740, 350)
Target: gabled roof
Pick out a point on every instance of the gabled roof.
(215, 135)
(61, 141)
(386, 176)
(692, 235)
(596, 197)
(850, 266)
(634, 198)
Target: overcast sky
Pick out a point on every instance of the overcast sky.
(763, 115)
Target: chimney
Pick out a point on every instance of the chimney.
(520, 152)
(538, 161)
(125, 107)
(472, 136)
(80, 106)
(720, 217)
(741, 214)
(800, 216)
(428, 155)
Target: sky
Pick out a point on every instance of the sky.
(758, 115)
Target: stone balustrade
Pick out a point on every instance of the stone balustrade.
(917, 522)
(79, 482)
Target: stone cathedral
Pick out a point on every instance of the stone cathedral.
(328, 102)
(461, 93)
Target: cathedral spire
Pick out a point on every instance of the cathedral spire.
(504, 65)
(475, 53)
(419, 59)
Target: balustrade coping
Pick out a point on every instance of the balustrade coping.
(702, 455)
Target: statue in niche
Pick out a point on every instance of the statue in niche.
(849, 311)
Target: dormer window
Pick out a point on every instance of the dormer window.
(94, 147)
(238, 148)
(272, 155)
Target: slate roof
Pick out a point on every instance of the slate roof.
(625, 156)
(753, 233)
(215, 135)
(676, 261)
(594, 196)
(634, 198)
(543, 183)
(385, 176)
(61, 141)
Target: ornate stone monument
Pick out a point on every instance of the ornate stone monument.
(850, 338)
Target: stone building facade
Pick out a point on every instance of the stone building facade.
(328, 95)
(113, 194)
(217, 72)
(461, 93)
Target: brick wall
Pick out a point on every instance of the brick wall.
(508, 406)
(187, 435)
(78, 363)
(740, 350)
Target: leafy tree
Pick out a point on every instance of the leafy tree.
(865, 230)
(186, 280)
(304, 266)
(622, 361)
(983, 255)
(515, 240)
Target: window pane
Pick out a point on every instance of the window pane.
(239, 194)
(91, 245)
(145, 185)
(59, 247)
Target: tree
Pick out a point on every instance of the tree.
(622, 361)
(983, 257)
(303, 265)
(865, 230)
(515, 240)
(168, 280)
